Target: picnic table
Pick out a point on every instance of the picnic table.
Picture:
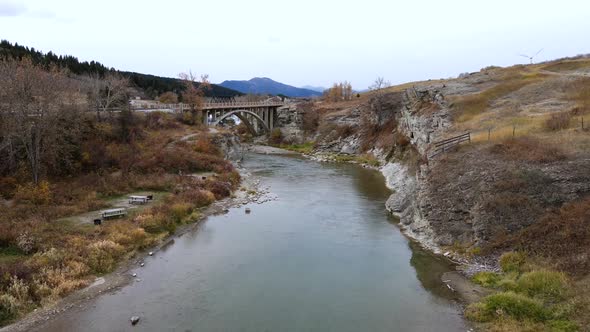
(113, 213)
(135, 199)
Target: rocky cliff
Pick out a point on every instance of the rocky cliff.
(473, 196)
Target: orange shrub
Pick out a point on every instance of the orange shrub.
(36, 194)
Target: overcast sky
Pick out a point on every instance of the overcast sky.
(301, 42)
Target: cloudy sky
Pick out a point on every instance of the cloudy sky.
(301, 42)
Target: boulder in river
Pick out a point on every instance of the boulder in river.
(134, 320)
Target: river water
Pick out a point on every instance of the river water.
(325, 256)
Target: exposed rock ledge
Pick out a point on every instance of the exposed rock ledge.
(402, 203)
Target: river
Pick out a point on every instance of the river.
(325, 256)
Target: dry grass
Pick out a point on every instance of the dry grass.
(562, 237)
(528, 149)
(43, 258)
(563, 66)
(467, 107)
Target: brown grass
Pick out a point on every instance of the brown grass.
(528, 149)
(567, 66)
(562, 236)
(466, 107)
(559, 121)
(43, 257)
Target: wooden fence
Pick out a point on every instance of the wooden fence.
(447, 144)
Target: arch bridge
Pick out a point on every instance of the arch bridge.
(258, 116)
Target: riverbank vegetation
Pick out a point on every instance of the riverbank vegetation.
(530, 297)
(66, 157)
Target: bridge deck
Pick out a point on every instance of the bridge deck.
(209, 106)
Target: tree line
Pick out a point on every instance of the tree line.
(152, 85)
(339, 91)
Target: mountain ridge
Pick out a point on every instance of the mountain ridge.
(265, 85)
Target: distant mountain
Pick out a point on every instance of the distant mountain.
(263, 85)
(320, 89)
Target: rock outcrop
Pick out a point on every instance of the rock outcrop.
(230, 146)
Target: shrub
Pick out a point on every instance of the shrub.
(102, 255)
(197, 197)
(478, 312)
(512, 261)
(180, 211)
(126, 234)
(36, 194)
(558, 121)
(7, 187)
(49, 258)
(15, 300)
(204, 145)
(276, 136)
(544, 284)
(514, 305)
(219, 189)
(486, 279)
(563, 237)
(528, 149)
(26, 242)
(310, 119)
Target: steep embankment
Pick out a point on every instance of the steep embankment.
(521, 182)
(528, 153)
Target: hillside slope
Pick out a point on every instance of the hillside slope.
(263, 85)
(152, 85)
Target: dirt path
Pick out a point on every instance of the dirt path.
(118, 202)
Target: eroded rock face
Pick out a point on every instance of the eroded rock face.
(402, 183)
(230, 145)
(424, 117)
(290, 122)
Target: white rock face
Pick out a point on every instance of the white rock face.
(402, 183)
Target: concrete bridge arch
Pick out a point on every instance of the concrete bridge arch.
(245, 116)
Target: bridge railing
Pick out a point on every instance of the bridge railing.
(208, 106)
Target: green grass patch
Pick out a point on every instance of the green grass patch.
(487, 279)
(544, 284)
(363, 159)
(305, 148)
(512, 261)
(529, 298)
(514, 305)
(10, 254)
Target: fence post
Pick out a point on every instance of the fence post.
(489, 133)
(513, 130)
(582, 123)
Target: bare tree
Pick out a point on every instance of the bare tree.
(36, 107)
(379, 88)
(107, 94)
(194, 93)
(379, 84)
